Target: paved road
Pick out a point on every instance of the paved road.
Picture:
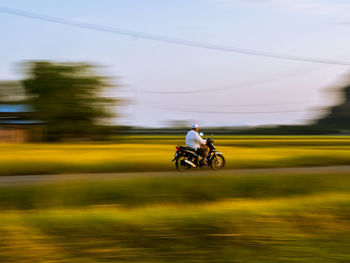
(39, 179)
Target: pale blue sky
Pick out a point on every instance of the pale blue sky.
(313, 28)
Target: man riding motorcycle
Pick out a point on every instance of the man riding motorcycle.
(194, 141)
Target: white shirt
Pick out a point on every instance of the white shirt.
(193, 140)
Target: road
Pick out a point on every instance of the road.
(40, 179)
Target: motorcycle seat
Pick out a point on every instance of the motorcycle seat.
(188, 149)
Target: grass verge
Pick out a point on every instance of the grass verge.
(280, 218)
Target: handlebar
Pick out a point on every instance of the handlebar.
(209, 140)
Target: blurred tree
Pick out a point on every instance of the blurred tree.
(179, 123)
(68, 98)
(339, 115)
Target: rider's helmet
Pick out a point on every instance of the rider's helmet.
(194, 126)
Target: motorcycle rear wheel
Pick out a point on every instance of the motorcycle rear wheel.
(180, 165)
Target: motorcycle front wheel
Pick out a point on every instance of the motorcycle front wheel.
(180, 164)
(218, 162)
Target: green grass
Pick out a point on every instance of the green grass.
(221, 218)
(172, 188)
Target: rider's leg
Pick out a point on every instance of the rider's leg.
(204, 153)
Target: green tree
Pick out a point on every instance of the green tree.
(338, 116)
(68, 98)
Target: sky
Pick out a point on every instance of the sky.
(165, 82)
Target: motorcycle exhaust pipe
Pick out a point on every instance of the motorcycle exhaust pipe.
(190, 163)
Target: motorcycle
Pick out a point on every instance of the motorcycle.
(186, 158)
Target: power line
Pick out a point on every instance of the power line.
(244, 105)
(165, 39)
(238, 105)
(243, 84)
(231, 112)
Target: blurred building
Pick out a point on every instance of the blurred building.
(16, 124)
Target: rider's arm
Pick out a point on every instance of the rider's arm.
(199, 139)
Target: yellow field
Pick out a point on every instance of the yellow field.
(155, 154)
